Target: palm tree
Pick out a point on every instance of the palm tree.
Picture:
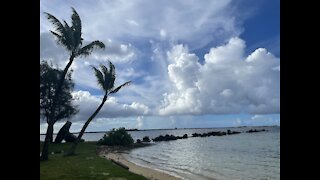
(70, 38)
(105, 78)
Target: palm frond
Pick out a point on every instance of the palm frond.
(112, 75)
(76, 26)
(112, 69)
(104, 70)
(63, 33)
(58, 36)
(107, 76)
(100, 78)
(68, 37)
(56, 23)
(86, 50)
(119, 87)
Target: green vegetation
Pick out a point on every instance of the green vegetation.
(116, 137)
(69, 37)
(49, 79)
(85, 165)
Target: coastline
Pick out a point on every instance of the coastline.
(144, 171)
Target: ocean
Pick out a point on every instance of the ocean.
(240, 156)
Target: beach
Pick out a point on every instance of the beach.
(239, 156)
(144, 171)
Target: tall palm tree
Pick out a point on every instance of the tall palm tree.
(105, 78)
(70, 38)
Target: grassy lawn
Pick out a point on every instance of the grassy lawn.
(85, 165)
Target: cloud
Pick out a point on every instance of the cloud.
(88, 103)
(228, 82)
(116, 52)
(180, 20)
(112, 109)
(124, 28)
(157, 45)
(140, 122)
(51, 51)
(258, 117)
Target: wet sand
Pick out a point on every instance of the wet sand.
(146, 172)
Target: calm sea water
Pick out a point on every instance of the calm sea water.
(239, 156)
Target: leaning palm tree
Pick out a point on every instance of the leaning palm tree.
(70, 38)
(105, 78)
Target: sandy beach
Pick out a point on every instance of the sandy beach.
(146, 172)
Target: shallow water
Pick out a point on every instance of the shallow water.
(240, 156)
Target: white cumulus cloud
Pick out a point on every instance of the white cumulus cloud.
(228, 82)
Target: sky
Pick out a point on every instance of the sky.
(209, 63)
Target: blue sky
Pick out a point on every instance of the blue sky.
(192, 63)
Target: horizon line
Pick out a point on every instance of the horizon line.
(135, 129)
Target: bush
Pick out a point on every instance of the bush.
(116, 137)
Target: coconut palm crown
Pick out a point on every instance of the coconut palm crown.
(106, 77)
(70, 37)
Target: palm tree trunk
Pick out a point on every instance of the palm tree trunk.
(45, 148)
(74, 145)
(52, 119)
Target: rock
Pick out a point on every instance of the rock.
(254, 130)
(235, 132)
(185, 136)
(146, 139)
(120, 164)
(159, 138)
(167, 137)
(70, 137)
(63, 132)
(172, 137)
(195, 135)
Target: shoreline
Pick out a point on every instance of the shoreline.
(93, 132)
(147, 172)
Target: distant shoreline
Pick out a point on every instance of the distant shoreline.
(91, 132)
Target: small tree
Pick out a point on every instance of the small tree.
(49, 79)
(116, 137)
(106, 78)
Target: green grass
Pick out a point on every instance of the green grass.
(85, 165)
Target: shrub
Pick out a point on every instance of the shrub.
(116, 137)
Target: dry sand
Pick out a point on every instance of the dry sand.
(146, 172)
